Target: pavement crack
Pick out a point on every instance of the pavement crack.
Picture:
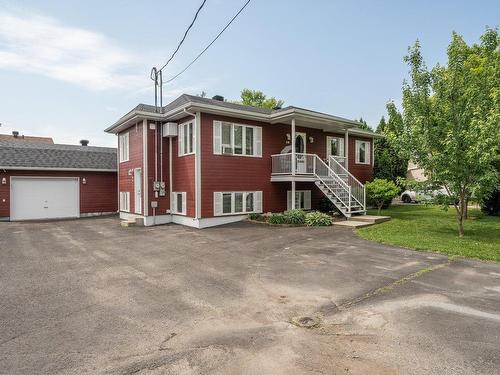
(387, 288)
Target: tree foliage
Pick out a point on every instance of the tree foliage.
(380, 191)
(364, 125)
(257, 98)
(388, 163)
(450, 120)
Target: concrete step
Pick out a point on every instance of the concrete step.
(372, 219)
(351, 223)
(127, 223)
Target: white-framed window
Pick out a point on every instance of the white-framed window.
(334, 146)
(186, 138)
(362, 152)
(237, 139)
(124, 201)
(237, 202)
(179, 203)
(302, 199)
(123, 146)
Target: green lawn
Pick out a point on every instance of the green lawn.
(433, 229)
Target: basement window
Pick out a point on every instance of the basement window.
(179, 203)
(124, 201)
(238, 202)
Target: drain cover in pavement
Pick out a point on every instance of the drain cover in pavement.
(305, 321)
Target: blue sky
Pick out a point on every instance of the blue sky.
(68, 69)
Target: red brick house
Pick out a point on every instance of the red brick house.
(42, 180)
(203, 162)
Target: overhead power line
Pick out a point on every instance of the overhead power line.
(212, 42)
(185, 34)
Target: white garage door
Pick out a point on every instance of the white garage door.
(44, 198)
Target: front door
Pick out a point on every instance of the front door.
(300, 149)
(137, 190)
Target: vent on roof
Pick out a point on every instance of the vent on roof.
(84, 142)
(277, 107)
(220, 98)
(15, 134)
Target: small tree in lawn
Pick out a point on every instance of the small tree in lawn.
(450, 124)
(379, 191)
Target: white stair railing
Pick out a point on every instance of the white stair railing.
(357, 188)
(334, 183)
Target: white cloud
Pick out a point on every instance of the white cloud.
(43, 45)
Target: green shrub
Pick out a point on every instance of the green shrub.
(380, 191)
(296, 216)
(276, 219)
(317, 219)
(257, 217)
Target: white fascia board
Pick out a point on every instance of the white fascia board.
(58, 169)
(231, 112)
(365, 133)
(132, 119)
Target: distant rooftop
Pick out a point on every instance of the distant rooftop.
(32, 155)
(25, 138)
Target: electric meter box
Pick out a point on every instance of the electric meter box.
(169, 129)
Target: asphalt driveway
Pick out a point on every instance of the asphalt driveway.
(88, 296)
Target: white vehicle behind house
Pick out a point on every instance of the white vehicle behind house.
(410, 196)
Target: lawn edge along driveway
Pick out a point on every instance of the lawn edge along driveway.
(430, 228)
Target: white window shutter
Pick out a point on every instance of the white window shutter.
(217, 204)
(258, 141)
(180, 140)
(341, 147)
(217, 137)
(288, 199)
(258, 201)
(307, 200)
(184, 203)
(368, 152)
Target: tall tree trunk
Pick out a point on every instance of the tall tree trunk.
(466, 209)
(460, 215)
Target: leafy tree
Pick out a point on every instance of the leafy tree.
(380, 191)
(256, 98)
(388, 163)
(364, 125)
(450, 120)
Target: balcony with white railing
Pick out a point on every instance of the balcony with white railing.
(304, 165)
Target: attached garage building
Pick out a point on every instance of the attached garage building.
(51, 181)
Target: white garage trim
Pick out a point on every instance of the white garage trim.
(72, 212)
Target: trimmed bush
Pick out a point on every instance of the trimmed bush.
(380, 191)
(317, 219)
(257, 217)
(276, 219)
(295, 217)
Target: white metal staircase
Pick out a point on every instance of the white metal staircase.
(333, 179)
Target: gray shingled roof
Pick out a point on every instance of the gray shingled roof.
(37, 155)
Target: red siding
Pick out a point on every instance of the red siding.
(363, 172)
(99, 194)
(136, 160)
(239, 173)
(184, 174)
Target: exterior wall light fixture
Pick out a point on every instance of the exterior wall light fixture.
(311, 139)
(84, 181)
